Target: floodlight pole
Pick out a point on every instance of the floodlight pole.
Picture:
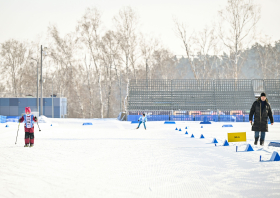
(120, 91)
(38, 86)
(37, 63)
(147, 70)
(147, 73)
(52, 98)
(41, 80)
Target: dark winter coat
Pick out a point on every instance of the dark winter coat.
(260, 117)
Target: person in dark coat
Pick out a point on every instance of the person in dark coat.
(261, 110)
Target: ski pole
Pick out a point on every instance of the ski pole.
(38, 126)
(17, 132)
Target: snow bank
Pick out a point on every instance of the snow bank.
(43, 119)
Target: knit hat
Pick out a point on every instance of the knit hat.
(27, 109)
(263, 94)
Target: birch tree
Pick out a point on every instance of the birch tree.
(187, 39)
(89, 33)
(126, 24)
(148, 46)
(237, 29)
(15, 57)
(110, 55)
(63, 52)
(206, 47)
(276, 59)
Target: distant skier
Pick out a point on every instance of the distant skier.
(29, 120)
(141, 120)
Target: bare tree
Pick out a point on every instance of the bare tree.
(63, 52)
(89, 33)
(238, 21)
(126, 23)
(187, 39)
(89, 75)
(206, 43)
(264, 57)
(162, 64)
(110, 55)
(268, 57)
(148, 47)
(276, 59)
(15, 57)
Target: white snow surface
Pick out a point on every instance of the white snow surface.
(112, 159)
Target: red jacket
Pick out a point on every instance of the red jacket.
(30, 130)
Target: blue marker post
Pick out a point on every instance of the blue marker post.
(215, 145)
(260, 158)
(236, 148)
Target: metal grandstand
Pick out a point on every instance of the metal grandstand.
(197, 97)
(272, 89)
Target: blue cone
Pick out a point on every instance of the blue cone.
(7, 126)
(192, 136)
(186, 132)
(249, 148)
(176, 128)
(276, 144)
(227, 125)
(168, 122)
(201, 137)
(214, 141)
(225, 143)
(87, 123)
(180, 129)
(201, 126)
(186, 128)
(275, 156)
(51, 124)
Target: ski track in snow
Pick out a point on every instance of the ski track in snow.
(109, 159)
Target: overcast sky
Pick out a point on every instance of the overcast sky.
(27, 19)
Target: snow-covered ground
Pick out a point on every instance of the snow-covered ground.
(112, 159)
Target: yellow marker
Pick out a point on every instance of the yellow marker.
(237, 137)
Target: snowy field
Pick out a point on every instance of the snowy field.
(113, 159)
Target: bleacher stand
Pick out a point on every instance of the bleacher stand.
(195, 100)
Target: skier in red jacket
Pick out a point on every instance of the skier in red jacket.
(28, 126)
